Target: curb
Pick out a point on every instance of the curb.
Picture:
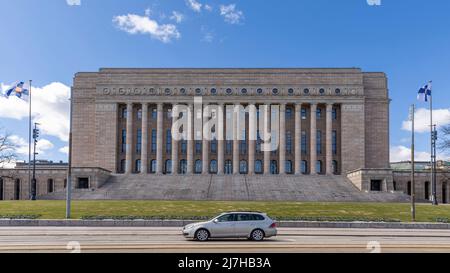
(181, 223)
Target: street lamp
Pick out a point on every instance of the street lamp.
(36, 133)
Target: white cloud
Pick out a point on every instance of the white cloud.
(194, 5)
(208, 7)
(402, 153)
(64, 150)
(22, 145)
(73, 2)
(136, 24)
(208, 35)
(177, 16)
(50, 108)
(231, 14)
(441, 117)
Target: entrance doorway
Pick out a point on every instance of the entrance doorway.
(444, 193)
(375, 185)
(1, 189)
(17, 189)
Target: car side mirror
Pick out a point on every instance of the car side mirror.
(216, 221)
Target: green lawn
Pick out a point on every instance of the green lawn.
(195, 209)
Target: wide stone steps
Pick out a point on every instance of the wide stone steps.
(238, 188)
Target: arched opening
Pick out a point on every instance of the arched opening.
(153, 166)
(258, 167)
(213, 167)
(122, 166)
(168, 166)
(50, 186)
(228, 167)
(137, 167)
(319, 166)
(183, 166)
(1, 189)
(427, 190)
(243, 167)
(17, 189)
(335, 167)
(198, 166)
(444, 193)
(273, 167)
(288, 166)
(304, 167)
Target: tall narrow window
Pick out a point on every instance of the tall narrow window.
(154, 114)
(319, 113)
(213, 146)
(169, 141)
(304, 143)
(258, 142)
(335, 167)
(229, 148)
(228, 167)
(17, 189)
(288, 142)
(139, 114)
(139, 141)
(198, 147)
(124, 113)
(319, 142)
(154, 141)
(273, 167)
(427, 190)
(124, 140)
(334, 141)
(304, 113)
(183, 147)
(334, 114)
(288, 113)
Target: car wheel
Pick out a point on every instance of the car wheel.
(257, 235)
(202, 235)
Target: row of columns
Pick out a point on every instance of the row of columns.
(220, 143)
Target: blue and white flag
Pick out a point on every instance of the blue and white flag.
(424, 93)
(19, 91)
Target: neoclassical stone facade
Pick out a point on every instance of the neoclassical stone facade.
(331, 120)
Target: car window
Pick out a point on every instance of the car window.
(244, 217)
(255, 217)
(226, 218)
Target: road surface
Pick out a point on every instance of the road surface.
(161, 240)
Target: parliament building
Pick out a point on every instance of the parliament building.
(331, 137)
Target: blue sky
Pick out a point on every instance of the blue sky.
(48, 41)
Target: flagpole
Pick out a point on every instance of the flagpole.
(29, 142)
(433, 156)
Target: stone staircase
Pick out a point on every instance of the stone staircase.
(241, 187)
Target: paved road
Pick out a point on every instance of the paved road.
(107, 239)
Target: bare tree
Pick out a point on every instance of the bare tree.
(7, 148)
(444, 143)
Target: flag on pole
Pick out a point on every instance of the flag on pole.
(19, 91)
(424, 92)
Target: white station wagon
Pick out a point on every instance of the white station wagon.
(252, 225)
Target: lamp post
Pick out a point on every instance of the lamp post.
(33, 180)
